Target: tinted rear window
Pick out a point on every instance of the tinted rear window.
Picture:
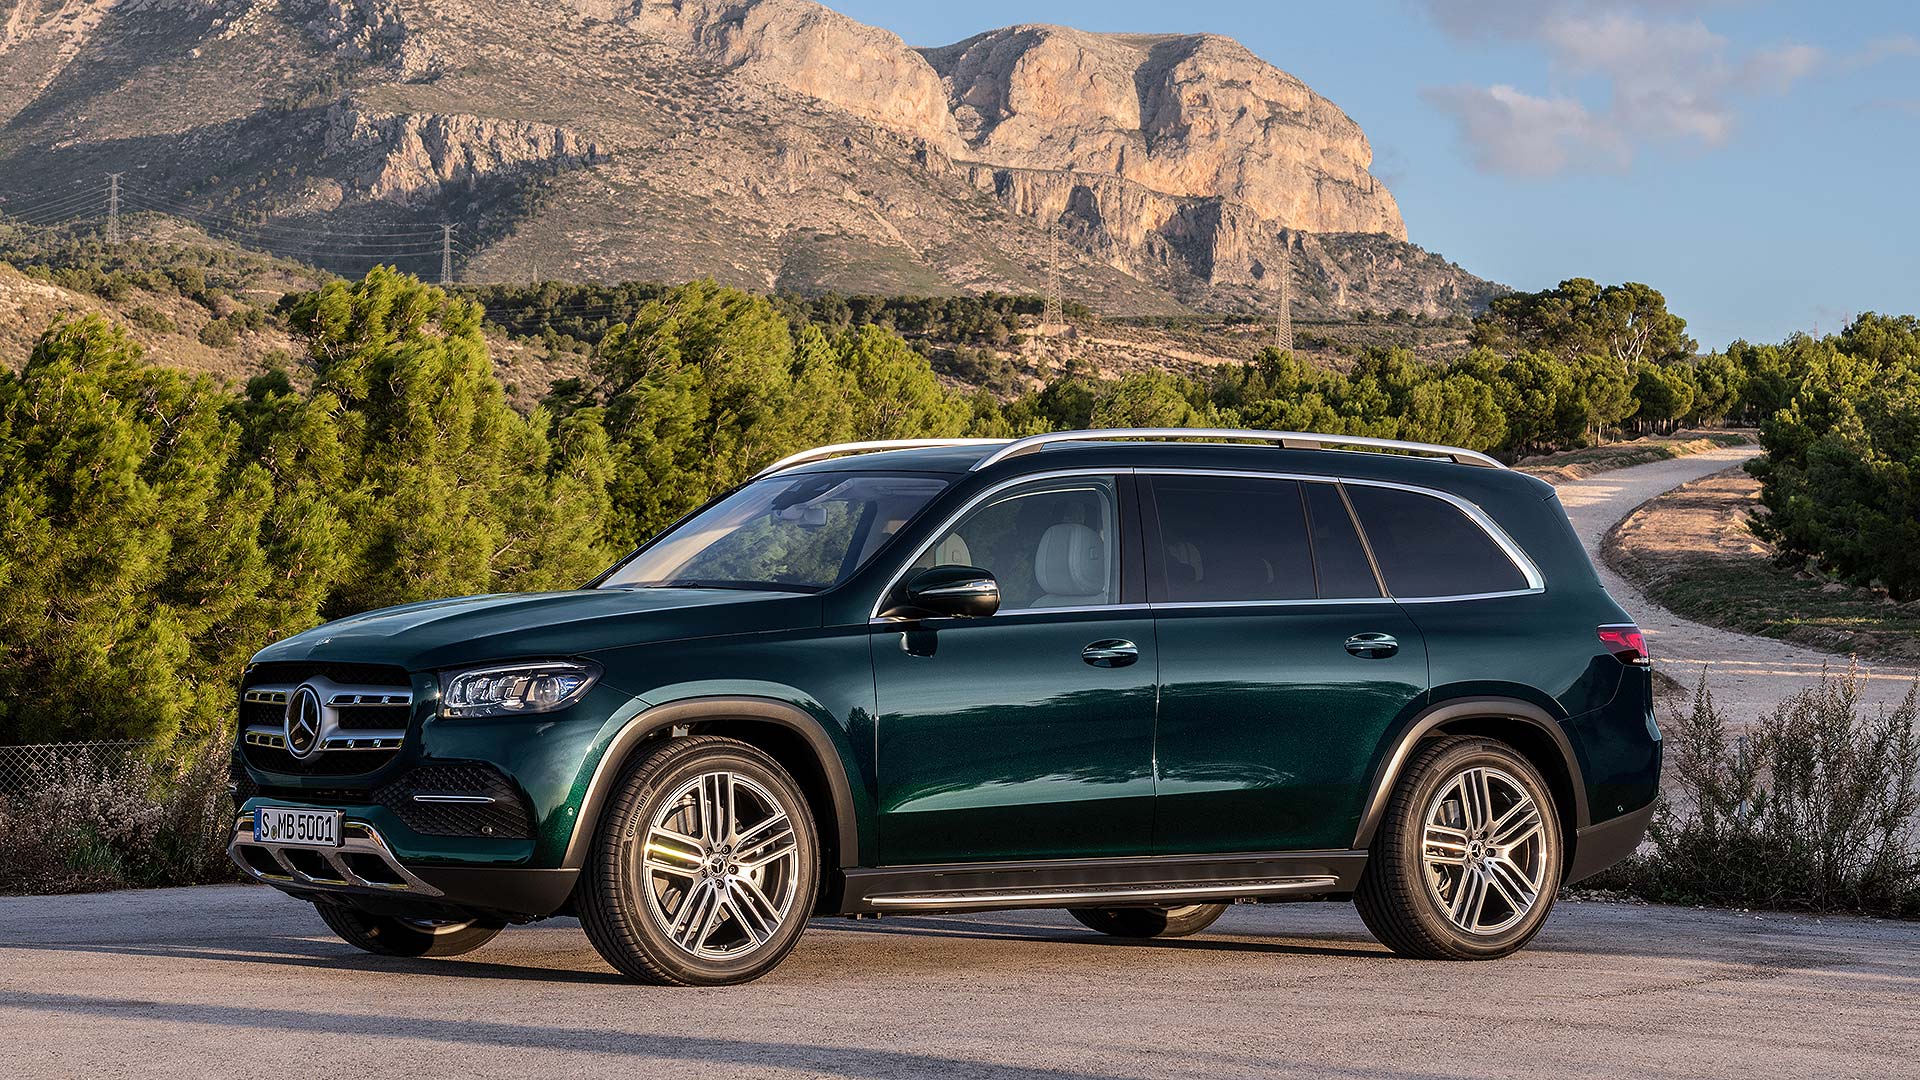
(1229, 538)
(1428, 547)
(1345, 573)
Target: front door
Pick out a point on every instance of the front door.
(1282, 662)
(1027, 734)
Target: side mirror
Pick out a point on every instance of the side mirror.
(964, 591)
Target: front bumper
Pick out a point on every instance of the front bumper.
(364, 872)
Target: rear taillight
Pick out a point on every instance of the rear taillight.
(1625, 641)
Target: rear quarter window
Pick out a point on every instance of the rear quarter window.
(1428, 547)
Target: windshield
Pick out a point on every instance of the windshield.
(786, 534)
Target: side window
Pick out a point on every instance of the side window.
(1227, 538)
(1339, 558)
(1428, 547)
(1053, 544)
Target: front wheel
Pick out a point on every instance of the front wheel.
(704, 869)
(1467, 860)
(1149, 922)
(385, 935)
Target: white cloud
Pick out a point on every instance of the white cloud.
(1666, 74)
(1513, 132)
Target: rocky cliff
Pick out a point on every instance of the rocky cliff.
(768, 143)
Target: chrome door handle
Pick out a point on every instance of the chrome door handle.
(1113, 652)
(1372, 646)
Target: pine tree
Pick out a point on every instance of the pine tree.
(134, 582)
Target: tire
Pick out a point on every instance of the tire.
(1149, 922)
(693, 905)
(384, 935)
(1491, 897)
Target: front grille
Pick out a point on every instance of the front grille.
(505, 816)
(324, 763)
(346, 719)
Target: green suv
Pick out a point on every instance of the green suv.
(1138, 675)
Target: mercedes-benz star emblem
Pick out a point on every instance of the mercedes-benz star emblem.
(303, 721)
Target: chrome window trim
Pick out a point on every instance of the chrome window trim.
(1193, 605)
(1536, 582)
(953, 519)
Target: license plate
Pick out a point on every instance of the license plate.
(296, 828)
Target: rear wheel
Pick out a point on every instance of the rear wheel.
(705, 866)
(1149, 922)
(385, 935)
(1467, 860)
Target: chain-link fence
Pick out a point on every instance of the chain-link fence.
(25, 767)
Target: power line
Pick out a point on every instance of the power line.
(162, 203)
(54, 204)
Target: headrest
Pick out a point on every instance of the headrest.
(952, 551)
(1072, 561)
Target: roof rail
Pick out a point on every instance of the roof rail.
(821, 453)
(1295, 440)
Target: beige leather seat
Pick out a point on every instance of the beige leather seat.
(1071, 567)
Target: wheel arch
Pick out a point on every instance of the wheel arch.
(1529, 729)
(789, 733)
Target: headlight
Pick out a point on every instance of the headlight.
(515, 689)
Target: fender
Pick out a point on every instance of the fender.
(693, 710)
(1388, 771)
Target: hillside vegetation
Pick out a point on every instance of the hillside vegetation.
(160, 525)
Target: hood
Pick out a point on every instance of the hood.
(505, 626)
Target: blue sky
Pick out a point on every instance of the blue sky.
(1758, 161)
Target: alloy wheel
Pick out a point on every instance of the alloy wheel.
(719, 866)
(1484, 850)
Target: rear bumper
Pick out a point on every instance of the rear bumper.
(1598, 847)
(365, 873)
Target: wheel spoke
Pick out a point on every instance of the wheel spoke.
(1516, 826)
(1445, 844)
(752, 909)
(1513, 883)
(713, 825)
(690, 922)
(770, 849)
(1469, 894)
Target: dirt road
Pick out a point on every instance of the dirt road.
(1748, 674)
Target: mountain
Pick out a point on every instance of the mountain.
(772, 144)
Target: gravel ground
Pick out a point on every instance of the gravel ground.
(1749, 674)
(240, 981)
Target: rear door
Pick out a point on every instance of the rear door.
(1282, 662)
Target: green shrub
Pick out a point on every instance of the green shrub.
(1813, 810)
(1841, 479)
(151, 318)
(219, 334)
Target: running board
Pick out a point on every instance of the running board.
(1140, 879)
(1121, 894)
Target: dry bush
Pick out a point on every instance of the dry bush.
(1815, 810)
(93, 823)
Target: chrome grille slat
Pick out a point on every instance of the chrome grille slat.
(356, 717)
